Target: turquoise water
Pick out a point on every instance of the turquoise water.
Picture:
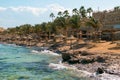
(19, 63)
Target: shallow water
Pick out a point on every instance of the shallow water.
(19, 63)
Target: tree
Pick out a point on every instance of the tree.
(89, 10)
(116, 8)
(75, 22)
(25, 29)
(66, 14)
(49, 29)
(96, 25)
(62, 22)
(75, 11)
(66, 21)
(75, 19)
(37, 29)
(60, 14)
(52, 16)
(82, 11)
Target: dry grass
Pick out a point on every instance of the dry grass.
(106, 47)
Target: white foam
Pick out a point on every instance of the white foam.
(34, 51)
(57, 66)
(45, 52)
(61, 66)
(103, 76)
(49, 52)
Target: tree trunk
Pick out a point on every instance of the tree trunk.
(49, 35)
(112, 36)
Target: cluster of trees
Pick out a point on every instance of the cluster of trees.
(62, 23)
(116, 8)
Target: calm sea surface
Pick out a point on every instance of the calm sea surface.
(19, 63)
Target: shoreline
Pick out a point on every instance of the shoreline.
(100, 62)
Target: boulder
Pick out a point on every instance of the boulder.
(100, 70)
(66, 57)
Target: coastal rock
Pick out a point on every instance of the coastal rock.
(100, 70)
(87, 60)
(39, 44)
(73, 61)
(83, 57)
(85, 53)
(66, 57)
(101, 58)
(113, 69)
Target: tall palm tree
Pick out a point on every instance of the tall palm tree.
(52, 16)
(89, 10)
(75, 11)
(96, 25)
(60, 14)
(66, 21)
(66, 14)
(82, 11)
(49, 29)
(116, 8)
(62, 22)
(75, 22)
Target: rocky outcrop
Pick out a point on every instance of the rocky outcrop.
(66, 57)
(100, 70)
(94, 62)
(83, 57)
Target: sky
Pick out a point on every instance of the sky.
(18, 12)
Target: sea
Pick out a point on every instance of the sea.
(24, 63)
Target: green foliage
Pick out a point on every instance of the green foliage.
(61, 24)
(94, 23)
(116, 8)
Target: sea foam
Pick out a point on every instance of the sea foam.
(45, 52)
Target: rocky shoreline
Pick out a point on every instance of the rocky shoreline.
(98, 62)
(105, 65)
(94, 62)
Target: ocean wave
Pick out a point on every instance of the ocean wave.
(45, 52)
(73, 69)
(35, 51)
(104, 76)
(57, 66)
(61, 65)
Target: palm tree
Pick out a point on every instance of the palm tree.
(49, 29)
(66, 21)
(60, 14)
(62, 22)
(37, 29)
(66, 14)
(52, 16)
(116, 8)
(89, 10)
(75, 11)
(82, 11)
(54, 28)
(75, 22)
(96, 25)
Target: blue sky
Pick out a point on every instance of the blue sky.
(17, 12)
